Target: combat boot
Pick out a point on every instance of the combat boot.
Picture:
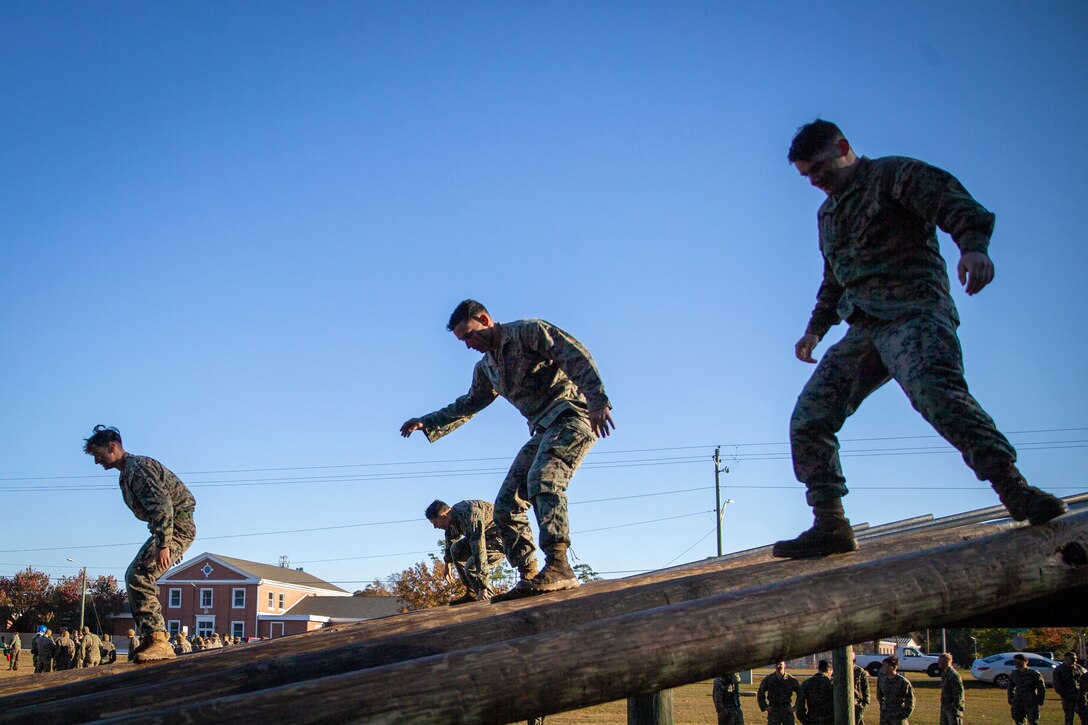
(523, 588)
(830, 534)
(466, 598)
(157, 649)
(556, 574)
(1026, 502)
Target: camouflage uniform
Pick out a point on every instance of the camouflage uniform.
(884, 274)
(816, 703)
(1082, 699)
(861, 694)
(552, 380)
(133, 643)
(89, 653)
(1026, 693)
(16, 648)
(726, 696)
(951, 697)
(41, 649)
(774, 697)
(157, 496)
(473, 543)
(183, 646)
(64, 653)
(1065, 686)
(108, 652)
(896, 698)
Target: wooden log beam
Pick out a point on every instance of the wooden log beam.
(610, 659)
(139, 689)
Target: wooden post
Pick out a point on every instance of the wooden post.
(336, 650)
(650, 708)
(842, 661)
(652, 650)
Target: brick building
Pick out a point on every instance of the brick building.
(216, 593)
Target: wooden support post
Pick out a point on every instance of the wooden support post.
(842, 661)
(650, 708)
(647, 651)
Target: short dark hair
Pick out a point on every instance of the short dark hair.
(1020, 658)
(463, 311)
(102, 436)
(811, 139)
(435, 510)
(823, 666)
(891, 660)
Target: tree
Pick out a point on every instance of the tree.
(24, 599)
(29, 598)
(585, 573)
(1052, 639)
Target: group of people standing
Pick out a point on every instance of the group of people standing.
(81, 648)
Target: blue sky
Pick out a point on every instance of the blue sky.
(235, 231)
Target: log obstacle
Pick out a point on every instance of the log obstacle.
(595, 644)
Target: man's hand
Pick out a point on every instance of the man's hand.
(483, 595)
(803, 348)
(600, 421)
(411, 426)
(975, 270)
(163, 559)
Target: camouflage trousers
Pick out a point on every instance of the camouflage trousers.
(859, 715)
(779, 716)
(144, 571)
(473, 572)
(922, 353)
(730, 716)
(539, 476)
(951, 717)
(1022, 714)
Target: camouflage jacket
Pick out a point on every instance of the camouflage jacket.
(951, 691)
(1026, 688)
(474, 520)
(1065, 680)
(776, 691)
(539, 368)
(156, 496)
(879, 243)
(816, 704)
(42, 646)
(90, 647)
(726, 693)
(896, 697)
(65, 649)
(861, 687)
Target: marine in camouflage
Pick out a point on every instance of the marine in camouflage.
(816, 703)
(896, 698)
(775, 697)
(726, 696)
(884, 274)
(861, 694)
(952, 702)
(473, 544)
(1027, 691)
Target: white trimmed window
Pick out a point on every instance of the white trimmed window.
(271, 601)
(238, 600)
(206, 598)
(238, 629)
(175, 598)
(173, 626)
(281, 601)
(205, 626)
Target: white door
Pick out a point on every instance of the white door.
(205, 626)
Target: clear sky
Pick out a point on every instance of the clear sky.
(236, 231)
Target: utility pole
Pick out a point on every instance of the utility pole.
(719, 505)
(83, 593)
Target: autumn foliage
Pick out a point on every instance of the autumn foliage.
(30, 598)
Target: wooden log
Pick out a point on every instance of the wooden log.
(85, 701)
(610, 659)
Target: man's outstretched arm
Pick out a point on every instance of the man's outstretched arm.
(446, 420)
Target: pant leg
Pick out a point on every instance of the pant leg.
(461, 552)
(511, 503)
(142, 573)
(951, 717)
(563, 445)
(859, 715)
(1069, 706)
(923, 355)
(847, 373)
(1019, 714)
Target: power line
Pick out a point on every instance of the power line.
(701, 540)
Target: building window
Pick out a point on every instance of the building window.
(271, 601)
(205, 598)
(173, 627)
(239, 599)
(175, 599)
(238, 629)
(205, 626)
(281, 601)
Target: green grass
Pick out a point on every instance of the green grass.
(692, 704)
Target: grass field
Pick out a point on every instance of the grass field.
(692, 704)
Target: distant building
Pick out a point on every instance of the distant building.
(239, 598)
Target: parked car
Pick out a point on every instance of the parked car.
(996, 668)
(910, 660)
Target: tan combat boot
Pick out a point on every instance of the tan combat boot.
(158, 649)
(556, 574)
(831, 533)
